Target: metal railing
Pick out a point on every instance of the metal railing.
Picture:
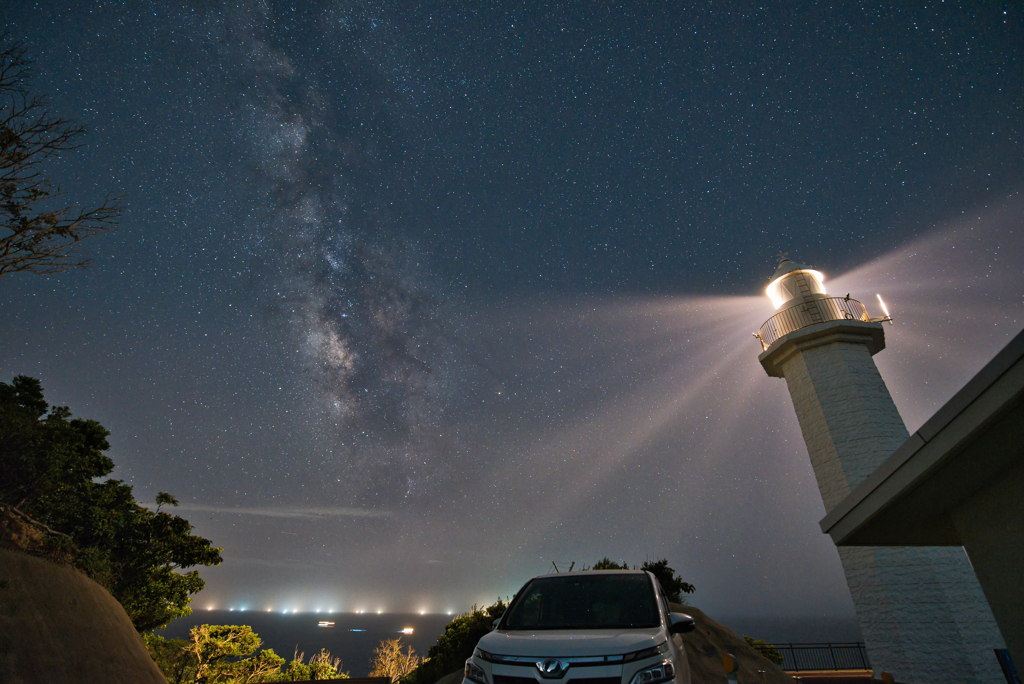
(827, 656)
(808, 313)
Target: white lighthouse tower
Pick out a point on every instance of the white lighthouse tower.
(921, 610)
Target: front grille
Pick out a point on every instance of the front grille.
(506, 679)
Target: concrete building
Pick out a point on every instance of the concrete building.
(958, 481)
(921, 610)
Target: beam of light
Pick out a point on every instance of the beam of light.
(884, 309)
(694, 357)
(959, 289)
(645, 394)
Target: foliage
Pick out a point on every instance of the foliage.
(456, 644)
(226, 654)
(51, 463)
(672, 583)
(764, 648)
(390, 661)
(607, 563)
(37, 233)
(320, 667)
(212, 646)
(170, 656)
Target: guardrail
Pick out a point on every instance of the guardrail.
(808, 313)
(827, 656)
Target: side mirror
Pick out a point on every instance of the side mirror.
(494, 625)
(680, 623)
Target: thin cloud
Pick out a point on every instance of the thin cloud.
(338, 512)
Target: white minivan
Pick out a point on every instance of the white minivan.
(597, 627)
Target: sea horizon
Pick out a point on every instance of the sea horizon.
(355, 636)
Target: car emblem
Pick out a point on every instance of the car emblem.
(551, 668)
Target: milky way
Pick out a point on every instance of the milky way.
(340, 267)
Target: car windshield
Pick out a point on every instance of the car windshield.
(597, 601)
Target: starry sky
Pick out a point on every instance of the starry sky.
(412, 300)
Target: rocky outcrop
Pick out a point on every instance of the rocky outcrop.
(57, 625)
(706, 645)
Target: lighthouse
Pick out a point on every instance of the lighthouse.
(921, 610)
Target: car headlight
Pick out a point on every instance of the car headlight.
(660, 649)
(662, 672)
(474, 673)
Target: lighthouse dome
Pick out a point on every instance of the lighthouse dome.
(793, 280)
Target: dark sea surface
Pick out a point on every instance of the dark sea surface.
(282, 632)
(794, 630)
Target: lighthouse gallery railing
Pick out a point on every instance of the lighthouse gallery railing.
(808, 313)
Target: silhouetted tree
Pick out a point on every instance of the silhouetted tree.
(607, 563)
(672, 583)
(38, 232)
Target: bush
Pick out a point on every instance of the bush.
(455, 645)
(764, 648)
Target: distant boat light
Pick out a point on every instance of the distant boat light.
(407, 630)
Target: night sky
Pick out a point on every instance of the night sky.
(413, 299)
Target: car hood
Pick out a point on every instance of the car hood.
(569, 643)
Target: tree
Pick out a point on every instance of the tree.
(51, 463)
(38, 232)
(607, 563)
(320, 667)
(456, 644)
(672, 583)
(213, 648)
(390, 661)
(170, 656)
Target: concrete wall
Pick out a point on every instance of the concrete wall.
(991, 525)
(921, 610)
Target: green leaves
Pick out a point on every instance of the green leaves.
(50, 463)
(455, 645)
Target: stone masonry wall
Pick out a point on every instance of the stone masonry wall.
(921, 610)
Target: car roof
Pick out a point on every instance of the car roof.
(590, 573)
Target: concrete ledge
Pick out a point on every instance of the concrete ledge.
(870, 335)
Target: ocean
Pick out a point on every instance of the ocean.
(354, 637)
